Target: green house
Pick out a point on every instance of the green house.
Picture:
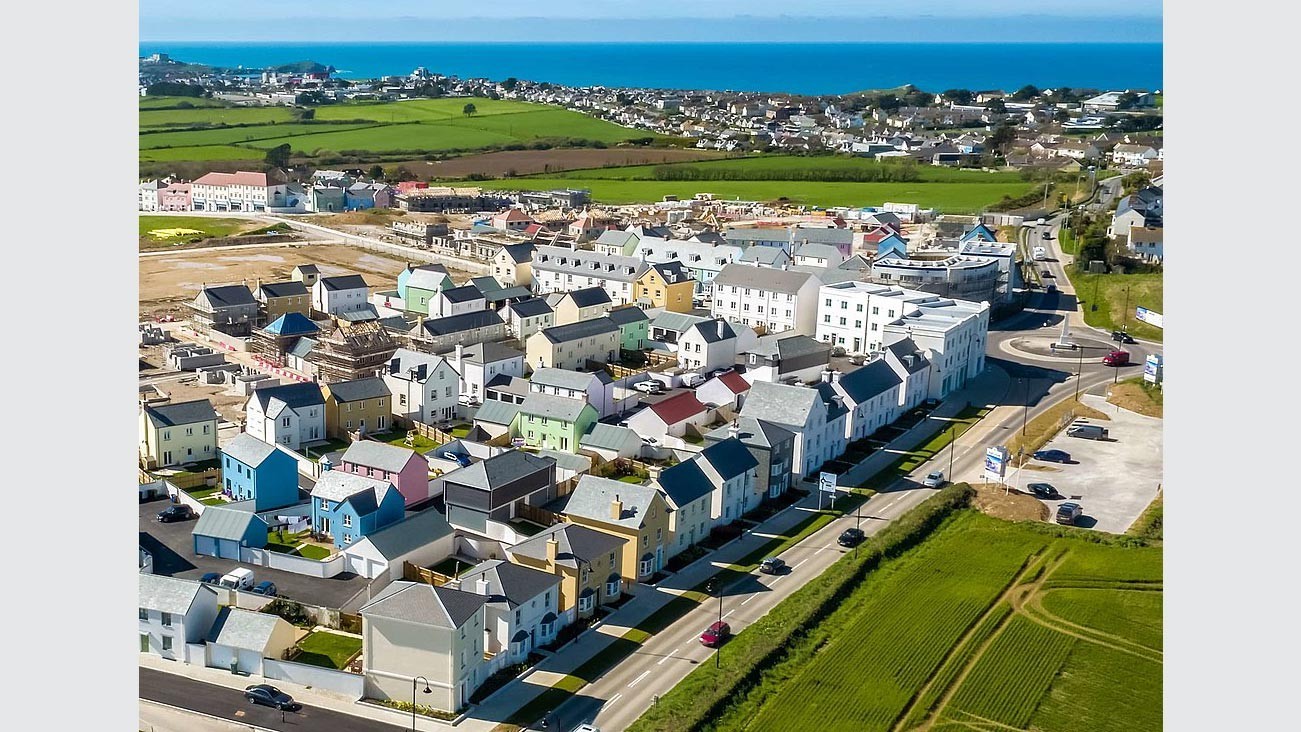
(419, 285)
(554, 422)
(634, 327)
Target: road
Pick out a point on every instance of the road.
(226, 703)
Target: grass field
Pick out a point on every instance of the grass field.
(986, 625)
(1146, 290)
(418, 126)
(947, 197)
(778, 165)
(163, 102)
(1139, 396)
(329, 650)
(211, 227)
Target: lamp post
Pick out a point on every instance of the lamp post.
(1025, 411)
(718, 650)
(427, 690)
(953, 438)
(1079, 372)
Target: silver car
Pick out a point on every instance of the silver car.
(934, 480)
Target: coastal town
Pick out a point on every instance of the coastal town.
(504, 456)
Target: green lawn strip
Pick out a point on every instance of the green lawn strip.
(311, 551)
(802, 168)
(211, 227)
(328, 650)
(1150, 524)
(543, 703)
(1067, 242)
(1108, 292)
(202, 491)
(420, 443)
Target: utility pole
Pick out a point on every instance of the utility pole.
(953, 439)
(1025, 412)
(1125, 313)
(1079, 372)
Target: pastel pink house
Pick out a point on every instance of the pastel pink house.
(175, 197)
(407, 470)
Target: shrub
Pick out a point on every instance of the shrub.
(293, 612)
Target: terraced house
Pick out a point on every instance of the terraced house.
(347, 507)
(639, 514)
(775, 299)
(667, 285)
(241, 191)
(359, 407)
(588, 562)
(572, 346)
(560, 269)
(703, 260)
(177, 434)
(554, 422)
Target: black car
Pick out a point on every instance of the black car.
(1047, 273)
(211, 578)
(270, 696)
(265, 587)
(179, 512)
(850, 537)
(772, 565)
(1053, 456)
(1121, 336)
(1052, 287)
(1042, 490)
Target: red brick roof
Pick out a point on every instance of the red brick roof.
(241, 178)
(513, 214)
(735, 382)
(677, 407)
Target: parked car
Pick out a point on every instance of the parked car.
(1068, 513)
(692, 380)
(851, 537)
(456, 457)
(649, 440)
(1040, 254)
(468, 400)
(1053, 456)
(211, 578)
(179, 512)
(1046, 273)
(934, 480)
(265, 587)
(1048, 235)
(1087, 431)
(270, 696)
(772, 565)
(1051, 287)
(1042, 490)
(1116, 358)
(650, 386)
(240, 578)
(717, 372)
(1121, 336)
(716, 634)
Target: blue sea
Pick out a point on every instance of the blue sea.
(796, 68)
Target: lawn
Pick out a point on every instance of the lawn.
(155, 118)
(236, 135)
(166, 102)
(328, 650)
(946, 197)
(206, 152)
(1066, 240)
(1139, 396)
(211, 227)
(311, 551)
(411, 137)
(770, 167)
(1108, 291)
(419, 443)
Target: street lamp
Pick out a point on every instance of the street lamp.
(718, 650)
(1025, 412)
(427, 690)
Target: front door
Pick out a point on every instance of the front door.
(324, 525)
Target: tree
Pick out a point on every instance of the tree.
(278, 156)
(302, 114)
(996, 105)
(510, 83)
(1000, 138)
(1126, 100)
(468, 109)
(376, 172)
(958, 96)
(1026, 93)
(402, 173)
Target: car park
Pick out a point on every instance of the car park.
(269, 696)
(1053, 456)
(934, 479)
(1068, 513)
(179, 512)
(716, 634)
(772, 565)
(265, 587)
(1087, 431)
(851, 537)
(1042, 490)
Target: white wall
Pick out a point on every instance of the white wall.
(342, 682)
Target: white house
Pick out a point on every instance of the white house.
(526, 317)
(712, 344)
(423, 539)
(240, 639)
(424, 387)
(292, 415)
(482, 362)
(853, 315)
(560, 269)
(952, 333)
(775, 299)
(1133, 156)
(733, 471)
(522, 609)
(174, 612)
(338, 295)
(594, 387)
(871, 393)
(242, 191)
(457, 301)
(815, 414)
(670, 416)
(149, 195)
(913, 368)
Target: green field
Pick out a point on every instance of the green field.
(947, 197)
(1146, 290)
(165, 102)
(211, 227)
(986, 625)
(776, 166)
(418, 126)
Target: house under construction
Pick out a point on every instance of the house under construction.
(277, 338)
(352, 352)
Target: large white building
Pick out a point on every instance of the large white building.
(952, 334)
(240, 191)
(779, 300)
(853, 315)
(704, 259)
(339, 295)
(560, 269)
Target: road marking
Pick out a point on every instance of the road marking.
(751, 597)
(611, 700)
(729, 612)
(637, 680)
(823, 549)
(671, 654)
(797, 565)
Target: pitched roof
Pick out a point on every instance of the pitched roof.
(780, 403)
(514, 292)
(553, 406)
(568, 379)
(496, 412)
(531, 307)
(291, 324)
(734, 382)
(463, 322)
(519, 253)
(337, 485)
(589, 296)
(678, 322)
(485, 284)
(785, 346)
(248, 449)
(672, 271)
(908, 347)
(684, 483)
(713, 331)
(179, 413)
(302, 347)
(228, 521)
(380, 455)
(343, 282)
(581, 329)
(610, 437)
(371, 387)
(283, 289)
(241, 178)
(245, 629)
(758, 432)
(868, 381)
(729, 458)
(627, 314)
(678, 407)
(417, 602)
(404, 359)
(762, 278)
(411, 533)
(762, 254)
(509, 583)
(295, 396)
(489, 352)
(593, 498)
(576, 543)
(499, 470)
(225, 296)
(464, 293)
(428, 277)
(169, 594)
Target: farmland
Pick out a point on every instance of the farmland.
(985, 625)
(778, 167)
(213, 133)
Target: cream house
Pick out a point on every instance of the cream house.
(177, 434)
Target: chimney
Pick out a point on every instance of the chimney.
(616, 508)
(826, 376)
(734, 429)
(553, 549)
(720, 328)
(835, 377)
(481, 586)
(460, 350)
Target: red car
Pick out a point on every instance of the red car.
(1116, 358)
(716, 634)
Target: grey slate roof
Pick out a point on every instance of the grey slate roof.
(463, 322)
(552, 406)
(417, 602)
(428, 277)
(343, 282)
(169, 594)
(225, 296)
(729, 458)
(283, 289)
(531, 308)
(515, 292)
(627, 314)
(610, 437)
(239, 628)
(866, 382)
(589, 296)
(581, 329)
(576, 543)
(568, 460)
(336, 485)
(908, 347)
(364, 313)
(567, 379)
(825, 235)
(229, 521)
(762, 278)
(464, 293)
(485, 284)
(673, 271)
(371, 387)
(404, 359)
(755, 432)
(821, 251)
(302, 347)
(709, 330)
(499, 470)
(489, 352)
(380, 455)
(678, 322)
(784, 347)
(496, 412)
(593, 498)
(509, 583)
(684, 483)
(409, 534)
(762, 254)
(179, 413)
(519, 253)
(295, 396)
(780, 404)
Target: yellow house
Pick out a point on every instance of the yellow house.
(279, 298)
(177, 434)
(588, 563)
(638, 514)
(585, 304)
(667, 285)
(363, 406)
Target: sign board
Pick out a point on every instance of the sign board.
(1151, 317)
(827, 482)
(996, 463)
(1153, 368)
(517, 442)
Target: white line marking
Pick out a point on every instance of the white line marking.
(751, 597)
(729, 612)
(635, 681)
(823, 549)
(671, 654)
(612, 700)
(797, 564)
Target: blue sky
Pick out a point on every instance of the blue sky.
(669, 20)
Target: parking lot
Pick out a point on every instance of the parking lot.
(173, 550)
(1113, 480)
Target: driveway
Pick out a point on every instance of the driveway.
(173, 549)
(1113, 480)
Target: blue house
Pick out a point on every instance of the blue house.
(980, 233)
(347, 507)
(252, 470)
(892, 243)
(222, 531)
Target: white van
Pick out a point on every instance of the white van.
(240, 578)
(1040, 254)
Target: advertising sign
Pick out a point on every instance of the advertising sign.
(1151, 317)
(1153, 368)
(996, 463)
(827, 482)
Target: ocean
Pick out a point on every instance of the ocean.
(794, 68)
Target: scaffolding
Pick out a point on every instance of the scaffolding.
(353, 352)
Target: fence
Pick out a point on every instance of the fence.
(404, 252)
(186, 499)
(323, 568)
(413, 573)
(186, 480)
(316, 677)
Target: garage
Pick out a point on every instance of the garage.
(241, 638)
(222, 530)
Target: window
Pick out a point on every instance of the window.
(167, 435)
(611, 560)
(859, 307)
(144, 642)
(828, 302)
(347, 538)
(842, 321)
(166, 620)
(876, 311)
(517, 617)
(144, 614)
(347, 520)
(547, 599)
(844, 304)
(826, 318)
(284, 422)
(858, 324)
(167, 643)
(612, 588)
(402, 400)
(873, 326)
